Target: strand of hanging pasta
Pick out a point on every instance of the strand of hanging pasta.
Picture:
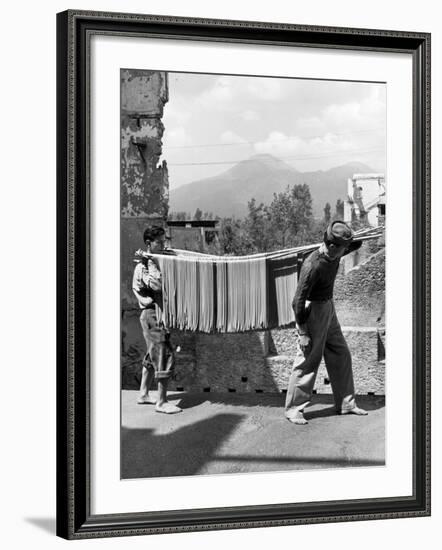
(241, 294)
(242, 288)
(187, 293)
(206, 296)
(221, 296)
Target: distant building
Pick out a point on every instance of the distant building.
(365, 200)
(196, 235)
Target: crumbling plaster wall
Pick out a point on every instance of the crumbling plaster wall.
(144, 181)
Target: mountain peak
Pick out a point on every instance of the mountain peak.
(260, 176)
(265, 157)
(259, 162)
(269, 160)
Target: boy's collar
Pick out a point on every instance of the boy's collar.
(324, 253)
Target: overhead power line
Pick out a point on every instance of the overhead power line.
(305, 157)
(239, 143)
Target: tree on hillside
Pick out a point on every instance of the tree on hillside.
(327, 213)
(232, 238)
(287, 222)
(303, 204)
(291, 218)
(257, 227)
(281, 213)
(339, 211)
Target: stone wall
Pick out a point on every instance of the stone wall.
(360, 292)
(144, 181)
(259, 361)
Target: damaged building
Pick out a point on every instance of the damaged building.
(365, 200)
(144, 181)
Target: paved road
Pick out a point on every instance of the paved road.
(232, 433)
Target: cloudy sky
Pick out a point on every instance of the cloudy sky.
(214, 121)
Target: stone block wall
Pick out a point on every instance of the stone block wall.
(258, 361)
(359, 293)
(244, 362)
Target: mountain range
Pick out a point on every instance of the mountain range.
(228, 193)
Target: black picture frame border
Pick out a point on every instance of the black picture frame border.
(74, 30)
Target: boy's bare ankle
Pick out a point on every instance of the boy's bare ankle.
(296, 417)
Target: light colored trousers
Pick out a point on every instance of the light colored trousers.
(327, 341)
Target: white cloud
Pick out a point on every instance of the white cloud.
(297, 118)
(294, 147)
(233, 93)
(250, 116)
(361, 116)
(176, 113)
(176, 137)
(230, 137)
(268, 89)
(313, 125)
(218, 96)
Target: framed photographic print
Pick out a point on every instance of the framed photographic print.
(243, 274)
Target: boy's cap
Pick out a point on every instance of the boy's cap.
(339, 233)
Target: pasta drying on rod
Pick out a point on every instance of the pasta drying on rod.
(208, 293)
(221, 294)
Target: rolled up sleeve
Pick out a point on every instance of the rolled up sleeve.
(139, 287)
(152, 276)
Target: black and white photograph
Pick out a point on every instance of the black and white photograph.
(253, 250)
(218, 266)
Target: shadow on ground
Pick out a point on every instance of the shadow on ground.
(189, 400)
(369, 403)
(223, 433)
(183, 451)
